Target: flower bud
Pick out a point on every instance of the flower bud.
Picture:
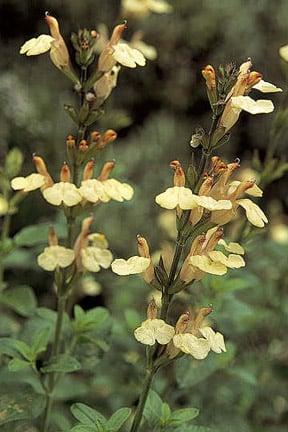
(199, 318)
(65, 173)
(253, 79)
(182, 323)
(52, 237)
(106, 170)
(88, 170)
(83, 146)
(82, 240)
(95, 136)
(217, 165)
(188, 273)
(179, 176)
(106, 60)
(70, 142)
(42, 169)
(210, 77)
(143, 249)
(152, 310)
(109, 136)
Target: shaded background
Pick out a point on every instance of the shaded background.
(154, 110)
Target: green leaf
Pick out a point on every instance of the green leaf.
(118, 419)
(64, 363)
(21, 299)
(88, 416)
(17, 364)
(36, 234)
(193, 428)
(92, 320)
(82, 428)
(23, 349)
(7, 347)
(23, 404)
(183, 415)
(40, 341)
(153, 408)
(165, 413)
(132, 318)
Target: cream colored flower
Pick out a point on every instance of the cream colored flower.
(190, 344)
(205, 264)
(154, 330)
(148, 51)
(127, 56)
(89, 286)
(283, 52)
(266, 87)
(29, 183)
(38, 45)
(232, 247)
(141, 8)
(186, 200)
(254, 191)
(246, 103)
(55, 256)
(4, 206)
(133, 265)
(93, 258)
(216, 340)
(232, 261)
(62, 193)
(254, 214)
(94, 190)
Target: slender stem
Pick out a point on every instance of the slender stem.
(4, 236)
(141, 404)
(54, 355)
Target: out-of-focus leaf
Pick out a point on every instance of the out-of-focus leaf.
(20, 404)
(153, 407)
(117, 419)
(183, 415)
(21, 299)
(18, 364)
(37, 234)
(64, 363)
(87, 415)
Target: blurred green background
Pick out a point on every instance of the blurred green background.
(154, 110)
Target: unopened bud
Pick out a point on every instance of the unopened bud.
(95, 136)
(42, 169)
(117, 33)
(70, 141)
(106, 170)
(206, 186)
(94, 33)
(65, 173)
(52, 237)
(109, 136)
(182, 323)
(253, 79)
(210, 77)
(88, 170)
(143, 247)
(217, 165)
(179, 176)
(152, 310)
(201, 314)
(82, 241)
(83, 146)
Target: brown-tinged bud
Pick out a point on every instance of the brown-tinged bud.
(241, 188)
(82, 241)
(245, 67)
(198, 320)
(152, 310)
(179, 175)
(95, 136)
(209, 75)
(83, 146)
(94, 34)
(217, 165)
(183, 323)
(70, 141)
(88, 170)
(109, 136)
(65, 173)
(106, 60)
(117, 33)
(106, 170)
(206, 186)
(52, 237)
(187, 273)
(42, 169)
(143, 247)
(212, 238)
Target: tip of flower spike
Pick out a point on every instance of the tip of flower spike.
(237, 160)
(47, 13)
(125, 23)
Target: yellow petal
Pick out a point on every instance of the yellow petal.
(145, 334)
(93, 190)
(254, 214)
(190, 344)
(117, 191)
(29, 183)
(93, 258)
(211, 204)
(232, 261)
(253, 191)
(163, 332)
(283, 52)
(207, 265)
(63, 192)
(38, 45)
(127, 56)
(98, 240)
(246, 103)
(54, 256)
(266, 87)
(232, 247)
(133, 265)
(216, 340)
(176, 196)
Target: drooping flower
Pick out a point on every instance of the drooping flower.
(54, 255)
(55, 44)
(91, 250)
(62, 193)
(27, 184)
(266, 87)
(246, 103)
(94, 190)
(232, 247)
(133, 265)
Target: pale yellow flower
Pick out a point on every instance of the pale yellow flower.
(246, 103)
(216, 340)
(283, 52)
(127, 56)
(62, 193)
(94, 190)
(55, 256)
(205, 264)
(38, 45)
(93, 258)
(154, 330)
(184, 198)
(232, 261)
(133, 265)
(266, 87)
(254, 214)
(254, 191)
(29, 183)
(232, 247)
(142, 8)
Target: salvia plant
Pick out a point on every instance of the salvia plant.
(204, 196)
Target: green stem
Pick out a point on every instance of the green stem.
(4, 236)
(141, 404)
(54, 354)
